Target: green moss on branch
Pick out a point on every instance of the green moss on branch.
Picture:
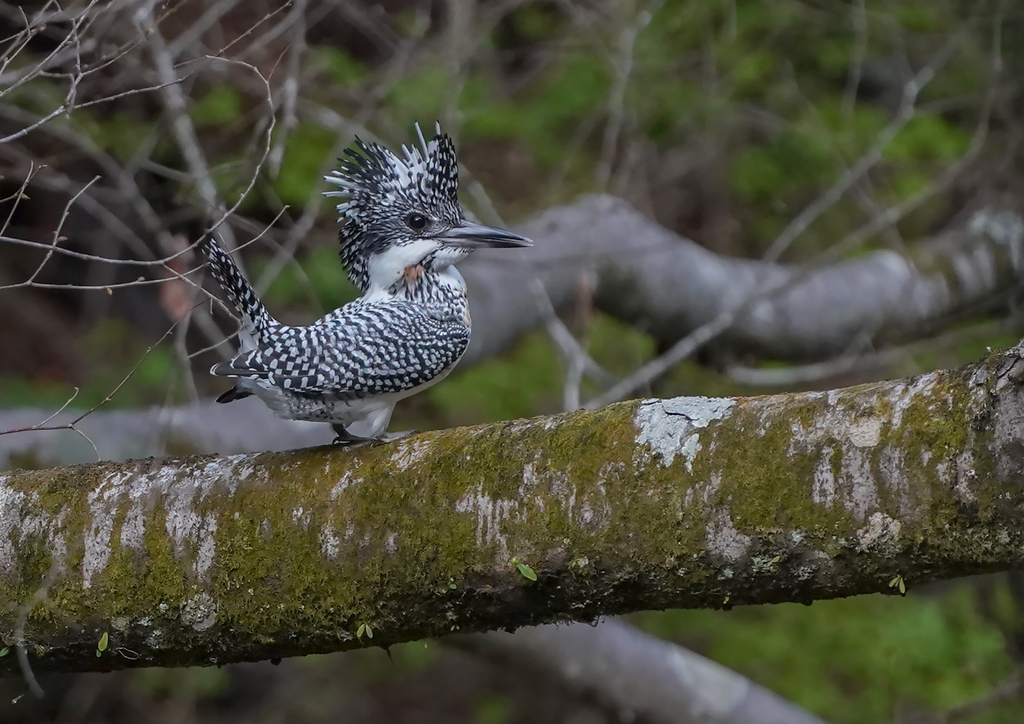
(686, 502)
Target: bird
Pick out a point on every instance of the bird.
(403, 230)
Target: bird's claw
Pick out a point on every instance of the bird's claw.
(353, 441)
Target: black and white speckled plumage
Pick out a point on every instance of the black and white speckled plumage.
(351, 364)
(379, 190)
(403, 232)
(365, 348)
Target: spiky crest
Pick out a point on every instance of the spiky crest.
(380, 190)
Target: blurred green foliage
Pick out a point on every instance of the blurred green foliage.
(304, 156)
(110, 351)
(858, 660)
(216, 107)
(343, 69)
(493, 709)
(201, 682)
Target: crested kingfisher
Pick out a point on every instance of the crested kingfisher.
(403, 230)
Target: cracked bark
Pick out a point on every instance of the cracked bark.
(690, 502)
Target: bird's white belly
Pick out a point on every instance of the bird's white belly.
(371, 413)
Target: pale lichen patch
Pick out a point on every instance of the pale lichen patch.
(691, 446)
(965, 476)
(704, 491)
(199, 612)
(668, 426)
(853, 439)
(103, 501)
(347, 479)
(11, 502)
(207, 548)
(39, 525)
(860, 489)
(530, 480)
(302, 516)
(179, 487)
(133, 529)
(903, 395)
(723, 540)
(489, 516)
(892, 470)
(409, 453)
(866, 432)
(823, 484)
(226, 472)
(880, 528)
(330, 544)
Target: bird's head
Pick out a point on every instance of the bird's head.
(398, 213)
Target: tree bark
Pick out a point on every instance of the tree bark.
(669, 286)
(628, 673)
(689, 502)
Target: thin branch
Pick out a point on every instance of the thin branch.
(859, 14)
(577, 360)
(176, 104)
(24, 610)
(290, 88)
(623, 68)
(906, 112)
(682, 349)
(60, 227)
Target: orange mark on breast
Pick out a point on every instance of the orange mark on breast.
(412, 273)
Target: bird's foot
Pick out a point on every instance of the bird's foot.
(352, 441)
(344, 437)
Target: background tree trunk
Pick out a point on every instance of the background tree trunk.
(650, 277)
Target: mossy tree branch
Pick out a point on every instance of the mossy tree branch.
(690, 502)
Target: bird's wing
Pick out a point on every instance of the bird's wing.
(358, 350)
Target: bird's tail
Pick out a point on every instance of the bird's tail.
(255, 317)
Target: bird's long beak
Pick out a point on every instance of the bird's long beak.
(469, 235)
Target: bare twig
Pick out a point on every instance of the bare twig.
(578, 362)
(860, 46)
(24, 610)
(623, 69)
(184, 131)
(657, 367)
(290, 88)
(906, 112)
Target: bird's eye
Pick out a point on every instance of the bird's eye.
(416, 221)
